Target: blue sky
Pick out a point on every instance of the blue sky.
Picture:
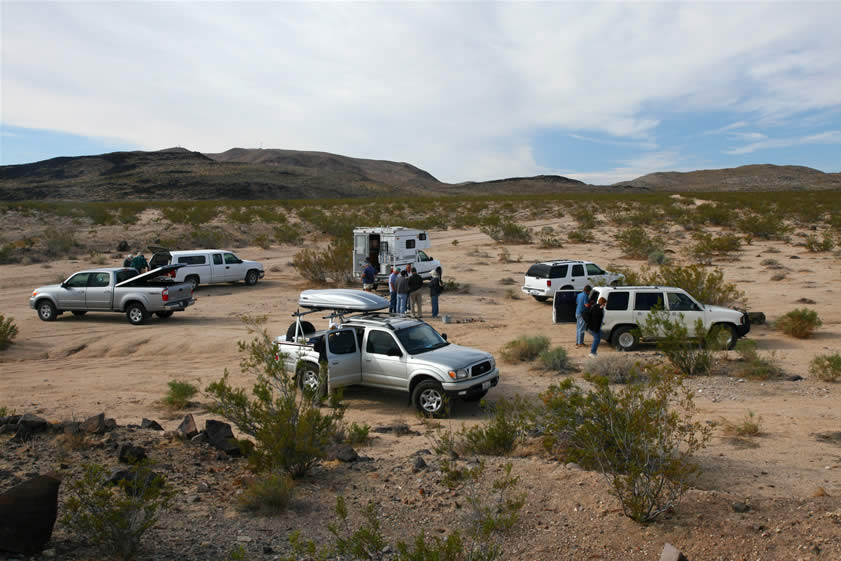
(602, 92)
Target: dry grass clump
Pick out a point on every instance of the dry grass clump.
(750, 425)
(524, 348)
(754, 365)
(268, 496)
(618, 368)
(826, 367)
(799, 323)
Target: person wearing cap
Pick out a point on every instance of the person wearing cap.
(127, 260)
(581, 302)
(392, 290)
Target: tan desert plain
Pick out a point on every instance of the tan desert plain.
(787, 475)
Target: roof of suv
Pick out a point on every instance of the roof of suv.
(562, 262)
(641, 287)
(383, 320)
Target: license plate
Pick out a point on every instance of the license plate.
(486, 385)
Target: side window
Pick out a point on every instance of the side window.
(381, 343)
(410, 244)
(217, 258)
(578, 270)
(192, 259)
(679, 302)
(231, 259)
(648, 300)
(341, 342)
(559, 271)
(98, 280)
(422, 236)
(422, 256)
(79, 280)
(617, 301)
(594, 270)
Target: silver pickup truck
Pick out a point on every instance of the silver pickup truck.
(384, 351)
(114, 290)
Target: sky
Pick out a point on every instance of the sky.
(468, 91)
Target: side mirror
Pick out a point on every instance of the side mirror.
(444, 336)
(64, 285)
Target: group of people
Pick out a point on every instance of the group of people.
(589, 316)
(405, 288)
(137, 262)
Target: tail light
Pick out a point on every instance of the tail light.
(165, 295)
(171, 273)
(548, 282)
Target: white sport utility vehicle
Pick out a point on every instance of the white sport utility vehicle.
(628, 307)
(543, 280)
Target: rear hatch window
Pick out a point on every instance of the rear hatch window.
(160, 259)
(539, 271)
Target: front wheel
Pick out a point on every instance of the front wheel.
(164, 315)
(251, 278)
(723, 336)
(136, 314)
(625, 338)
(429, 398)
(46, 311)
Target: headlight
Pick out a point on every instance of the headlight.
(34, 293)
(459, 374)
(493, 363)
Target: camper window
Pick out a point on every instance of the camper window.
(410, 244)
(422, 236)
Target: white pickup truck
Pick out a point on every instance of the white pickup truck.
(208, 266)
(388, 351)
(114, 290)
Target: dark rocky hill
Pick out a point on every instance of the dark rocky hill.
(763, 177)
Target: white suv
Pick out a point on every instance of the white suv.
(628, 307)
(543, 280)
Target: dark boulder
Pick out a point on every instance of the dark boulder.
(131, 454)
(220, 435)
(123, 246)
(27, 515)
(343, 453)
(32, 422)
(756, 318)
(94, 425)
(150, 424)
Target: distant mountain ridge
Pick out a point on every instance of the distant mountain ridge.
(247, 174)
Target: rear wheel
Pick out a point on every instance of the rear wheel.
(194, 282)
(80, 312)
(46, 311)
(625, 338)
(429, 398)
(164, 315)
(309, 380)
(540, 298)
(136, 313)
(251, 277)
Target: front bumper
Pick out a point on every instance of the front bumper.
(471, 387)
(743, 328)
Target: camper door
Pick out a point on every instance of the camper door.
(360, 252)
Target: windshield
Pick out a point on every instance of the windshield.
(420, 338)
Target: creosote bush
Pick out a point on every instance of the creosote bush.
(750, 425)
(687, 352)
(618, 368)
(636, 243)
(269, 495)
(554, 360)
(179, 394)
(826, 367)
(815, 245)
(799, 323)
(116, 517)
(504, 231)
(320, 265)
(524, 348)
(8, 332)
(754, 365)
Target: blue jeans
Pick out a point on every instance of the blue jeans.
(402, 299)
(580, 328)
(392, 306)
(433, 299)
(597, 337)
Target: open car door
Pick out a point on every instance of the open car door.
(563, 306)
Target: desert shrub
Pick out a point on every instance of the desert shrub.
(179, 394)
(657, 257)
(619, 368)
(706, 286)
(636, 243)
(579, 236)
(8, 332)
(7, 255)
(320, 265)
(815, 245)
(116, 517)
(686, 351)
(58, 243)
(554, 360)
(714, 214)
(5, 411)
(753, 365)
(181, 213)
(452, 286)
(506, 232)
(290, 432)
(284, 233)
(586, 218)
(633, 436)
(826, 367)
(241, 215)
(750, 425)
(512, 294)
(524, 348)
(768, 225)
(209, 238)
(799, 323)
(504, 255)
(548, 239)
(262, 241)
(771, 263)
(269, 495)
(499, 435)
(708, 246)
(356, 434)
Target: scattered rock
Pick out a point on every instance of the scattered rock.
(343, 453)
(8, 428)
(32, 422)
(130, 454)
(70, 427)
(831, 437)
(131, 479)
(187, 429)
(150, 424)
(200, 438)
(123, 246)
(756, 318)
(806, 301)
(27, 515)
(110, 424)
(419, 465)
(94, 425)
(220, 435)
(793, 378)
(794, 257)
(671, 553)
(739, 506)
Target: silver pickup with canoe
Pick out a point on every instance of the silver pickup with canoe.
(381, 350)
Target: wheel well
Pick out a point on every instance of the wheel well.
(417, 380)
(196, 275)
(128, 304)
(566, 287)
(727, 323)
(45, 299)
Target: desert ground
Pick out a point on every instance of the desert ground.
(80, 366)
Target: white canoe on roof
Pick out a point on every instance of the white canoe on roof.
(342, 299)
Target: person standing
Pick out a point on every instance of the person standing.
(580, 325)
(436, 287)
(369, 275)
(139, 262)
(127, 260)
(594, 325)
(402, 291)
(415, 294)
(392, 290)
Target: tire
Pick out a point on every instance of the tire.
(724, 336)
(251, 277)
(136, 313)
(46, 311)
(305, 325)
(164, 315)
(475, 397)
(625, 338)
(430, 399)
(309, 380)
(540, 298)
(194, 282)
(80, 312)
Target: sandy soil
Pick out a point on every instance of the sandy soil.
(79, 366)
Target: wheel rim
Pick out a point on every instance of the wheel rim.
(431, 400)
(626, 340)
(135, 315)
(45, 310)
(310, 381)
(194, 283)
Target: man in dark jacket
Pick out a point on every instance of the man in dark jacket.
(139, 262)
(594, 325)
(415, 294)
(402, 291)
(435, 289)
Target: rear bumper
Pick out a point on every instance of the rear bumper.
(180, 305)
(537, 291)
(475, 388)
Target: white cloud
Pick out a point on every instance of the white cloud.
(665, 160)
(457, 89)
(829, 137)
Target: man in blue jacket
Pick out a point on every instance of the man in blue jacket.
(581, 325)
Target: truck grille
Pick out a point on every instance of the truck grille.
(481, 368)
